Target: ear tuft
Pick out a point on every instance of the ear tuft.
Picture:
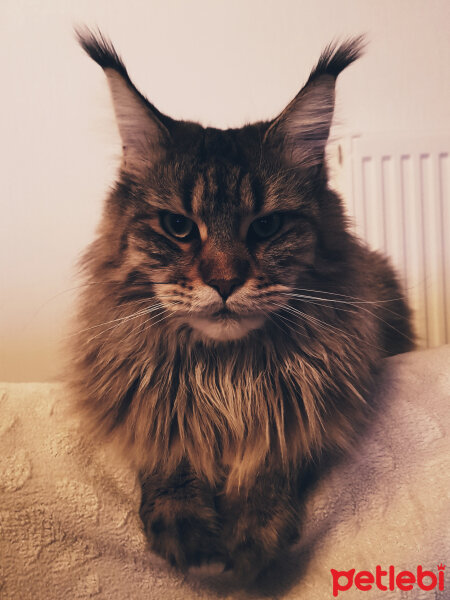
(301, 131)
(100, 49)
(335, 58)
(143, 129)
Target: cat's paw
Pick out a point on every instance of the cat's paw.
(252, 550)
(183, 540)
(180, 519)
(247, 560)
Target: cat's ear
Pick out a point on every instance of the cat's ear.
(301, 131)
(143, 129)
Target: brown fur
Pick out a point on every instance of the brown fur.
(221, 430)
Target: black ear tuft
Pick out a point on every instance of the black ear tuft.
(100, 49)
(143, 129)
(335, 58)
(301, 131)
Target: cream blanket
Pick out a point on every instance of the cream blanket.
(69, 526)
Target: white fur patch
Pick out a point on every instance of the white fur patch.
(226, 329)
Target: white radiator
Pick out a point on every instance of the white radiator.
(398, 195)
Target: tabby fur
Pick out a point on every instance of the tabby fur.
(222, 413)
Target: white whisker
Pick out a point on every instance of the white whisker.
(358, 305)
(323, 324)
(142, 313)
(122, 319)
(155, 322)
(354, 298)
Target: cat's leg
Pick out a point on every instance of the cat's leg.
(259, 526)
(179, 518)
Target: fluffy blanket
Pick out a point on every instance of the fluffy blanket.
(69, 526)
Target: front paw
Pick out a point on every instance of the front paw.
(180, 520)
(182, 539)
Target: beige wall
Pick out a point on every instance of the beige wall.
(222, 62)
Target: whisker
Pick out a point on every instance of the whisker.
(309, 318)
(154, 323)
(140, 324)
(358, 304)
(270, 317)
(287, 320)
(325, 302)
(121, 323)
(324, 325)
(355, 298)
(352, 303)
(88, 283)
(145, 322)
(122, 319)
(79, 286)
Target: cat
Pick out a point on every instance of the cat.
(231, 327)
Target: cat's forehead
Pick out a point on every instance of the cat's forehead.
(222, 196)
(221, 179)
(207, 189)
(224, 188)
(221, 193)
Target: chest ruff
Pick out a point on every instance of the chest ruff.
(234, 415)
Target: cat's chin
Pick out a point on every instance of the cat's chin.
(225, 330)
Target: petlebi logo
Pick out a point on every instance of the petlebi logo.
(388, 580)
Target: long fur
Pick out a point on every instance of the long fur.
(227, 418)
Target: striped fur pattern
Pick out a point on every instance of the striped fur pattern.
(230, 326)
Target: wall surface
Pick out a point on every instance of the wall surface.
(221, 62)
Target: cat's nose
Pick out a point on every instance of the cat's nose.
(223, 271)
(226, 287)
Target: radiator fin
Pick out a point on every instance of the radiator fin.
(399, 203)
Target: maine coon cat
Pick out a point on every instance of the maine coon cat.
(231, 326)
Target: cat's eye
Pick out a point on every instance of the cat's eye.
(178, 226)
(265, 226)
